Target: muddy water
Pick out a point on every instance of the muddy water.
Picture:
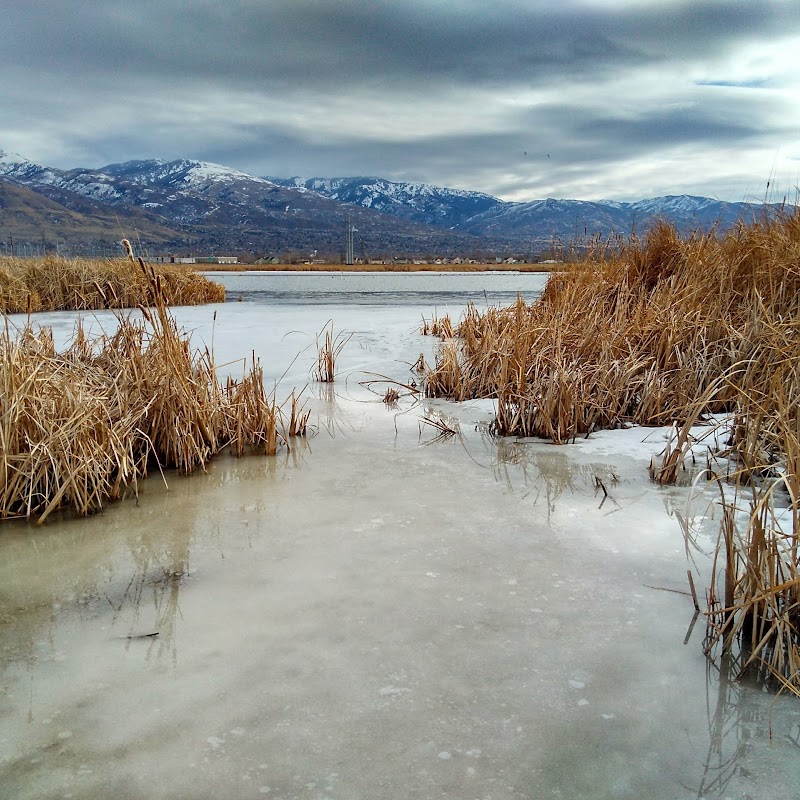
(379, 614)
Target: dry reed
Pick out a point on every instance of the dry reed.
(758, 562)
(437, 326)
(81, 426)
(391, 397)
(329, 348)
(667, 330)
(53, 283)
(640, 337)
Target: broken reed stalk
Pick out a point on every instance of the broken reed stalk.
(391, 397)
(667, 330)
(438, 326)
(298, 415)
(81, 426)
(328, 351)
(53, 283)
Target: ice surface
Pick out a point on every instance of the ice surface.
(377, 614)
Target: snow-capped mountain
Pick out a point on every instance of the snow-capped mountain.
(561, 218)
(89, 183)
(432, 205)
(184, 191)
(181, 174)
(487, 217)
(82, 205)
(214, 205)
(577, 219)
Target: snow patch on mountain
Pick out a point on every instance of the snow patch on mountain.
(11, 159)
(421, 202)
(186, 173)
(673, 204)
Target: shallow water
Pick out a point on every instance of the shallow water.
(378, 614)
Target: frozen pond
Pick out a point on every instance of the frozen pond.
(383, 288)
(377, 614)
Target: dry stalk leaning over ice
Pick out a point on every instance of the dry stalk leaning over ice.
(81, 426)
(444, 426)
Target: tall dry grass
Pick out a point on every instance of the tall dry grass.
(665, 331)
(53, 283)
(754, 593)
(82, 426)
(639, 337)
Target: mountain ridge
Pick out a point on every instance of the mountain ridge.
(186, 203)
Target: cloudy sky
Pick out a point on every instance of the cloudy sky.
(522, 99)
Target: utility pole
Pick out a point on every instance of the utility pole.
(349, 255)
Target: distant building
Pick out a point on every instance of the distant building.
(193, 259)
(217, 260)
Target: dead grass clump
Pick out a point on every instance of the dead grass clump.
(757, 615)
(298, 416)
(391, 397)
(638, 337)
(82, 426)
(758, 560)
(437, 326)
(329, 348)
(53, 283)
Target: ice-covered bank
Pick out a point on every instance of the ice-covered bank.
(377, 615)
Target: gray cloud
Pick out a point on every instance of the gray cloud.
(448, 92)
(320, 43)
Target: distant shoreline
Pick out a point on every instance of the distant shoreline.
(373, 267)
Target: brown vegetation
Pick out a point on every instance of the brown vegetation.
(665, 331)
(640, 337)
(53, 284)
(82, 426)
(329, 348)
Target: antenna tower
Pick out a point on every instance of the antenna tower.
(349, 256)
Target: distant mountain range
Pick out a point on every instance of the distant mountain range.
(195, 206)
(487, 217)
